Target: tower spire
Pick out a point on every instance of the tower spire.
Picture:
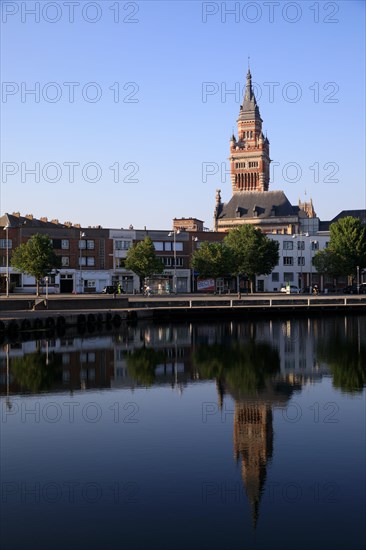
(249, 153)
(249, 102)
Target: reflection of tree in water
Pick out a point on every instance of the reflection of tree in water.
(142, 364)
(346, 358)
(243, 366)
(36, 371)
(342, 346)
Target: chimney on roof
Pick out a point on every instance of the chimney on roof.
(29, 216)
(16, 214)
(68, 224)
(44, 219)
(77, 225)
(55, 221)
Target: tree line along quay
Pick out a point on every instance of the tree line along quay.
(176, 262)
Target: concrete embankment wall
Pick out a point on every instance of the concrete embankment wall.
(93, 313)
(56, 304)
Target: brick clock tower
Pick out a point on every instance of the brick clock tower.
(251, 201)
(249, 153)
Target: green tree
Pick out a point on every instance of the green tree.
(142, 260)
(328, 263)
(212, 260)
(253, 252)
(348, 244)
(36, 258)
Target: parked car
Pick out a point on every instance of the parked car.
(350, 289)
(109, 289)
(330, 289)
(293, 289)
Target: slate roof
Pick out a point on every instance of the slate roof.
(247, 202)
(360, 214)
(16, 221)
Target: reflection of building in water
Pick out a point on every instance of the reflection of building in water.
(101, 361)
(253, 432)
(253, 443)
(171, 342)
(295, 339)
(76, 363)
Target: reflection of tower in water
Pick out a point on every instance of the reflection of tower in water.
(253, 443)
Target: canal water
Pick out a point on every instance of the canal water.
(215, 435)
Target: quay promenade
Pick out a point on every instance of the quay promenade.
(20, 314)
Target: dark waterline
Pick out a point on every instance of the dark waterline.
(193, 435)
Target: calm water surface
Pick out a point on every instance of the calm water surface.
(223, 435)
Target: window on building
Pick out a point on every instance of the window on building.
(288, 245)
(65, 375)
(179, 262)
(56, 244)
(300, 245)
(65, 245)
(8, 245)
(275, 276)
(65, 261)
(86, 357)
(65, 359)
(89, 261)
(167, 261)
(158, 246)
(301, 261)
(122, 245)
(168, 246)
(288, 277)
(179, 247)
(91, 284)
(87, 243)
(314, 245)
(120, 263)
(288, 260)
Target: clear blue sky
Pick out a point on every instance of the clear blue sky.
(162, 123)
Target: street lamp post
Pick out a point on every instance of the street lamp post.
(312, 247)
(358, 279)
(174, 234)
(300, 243)
(6, 229)
(194, 240)
(81, 235)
